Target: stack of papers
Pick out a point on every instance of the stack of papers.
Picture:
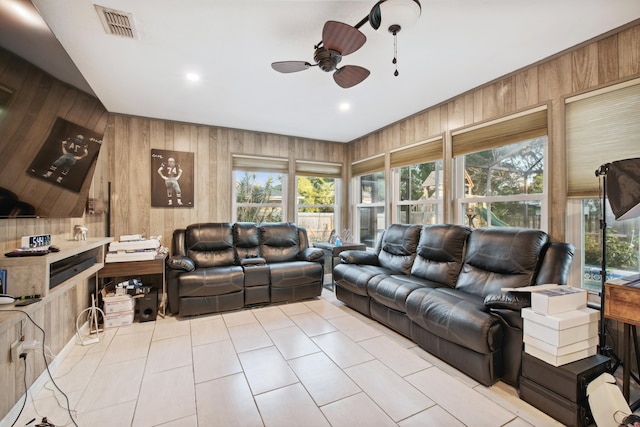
(129, 249)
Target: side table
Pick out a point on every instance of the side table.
(138, 268)
(331, 251)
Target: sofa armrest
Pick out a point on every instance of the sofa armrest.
(359, 257)
(508, 300)
(252, 261)
(311, 254)
(181, 262)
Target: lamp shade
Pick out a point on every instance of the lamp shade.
(623, 188)
(395, 14)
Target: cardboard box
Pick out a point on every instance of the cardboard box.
(559, 360)
(118, 303)
(563, 350)
(119, 319)
(561, 329)
(558, 300)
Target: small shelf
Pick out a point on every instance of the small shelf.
(31, 275)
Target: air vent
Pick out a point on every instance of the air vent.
(116, 22)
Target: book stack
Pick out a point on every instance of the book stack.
(559, 328)
(132, 248)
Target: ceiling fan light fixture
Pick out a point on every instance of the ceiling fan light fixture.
(393, 15)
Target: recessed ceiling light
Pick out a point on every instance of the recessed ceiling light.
(345, 106)
(193, 77)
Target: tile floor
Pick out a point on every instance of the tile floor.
(311, 363)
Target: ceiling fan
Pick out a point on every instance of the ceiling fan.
(338, 40)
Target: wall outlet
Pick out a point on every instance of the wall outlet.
(16, 351)
(30, 345)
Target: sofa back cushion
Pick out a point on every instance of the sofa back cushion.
(440, 253)
(397, 247)
(556, 264)
(210, 244)
(246, 239)
(501, 258)
(279, 241)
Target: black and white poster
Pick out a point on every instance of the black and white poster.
(171, 179)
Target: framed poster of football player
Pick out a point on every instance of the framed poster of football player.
(67, 155)
(171, 179)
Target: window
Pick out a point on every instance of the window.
(602, 126)
(418, 191)
(370, 214)
(503, 186)
(260, 189)
(316, 206)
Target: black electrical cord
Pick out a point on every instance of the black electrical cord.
(46, 364)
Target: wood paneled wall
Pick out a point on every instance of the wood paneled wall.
(132, 139)
(609, 59)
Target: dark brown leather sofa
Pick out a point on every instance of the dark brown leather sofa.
(217, 267)
(441, 286)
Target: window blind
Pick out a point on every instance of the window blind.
(261, 164)
(364, 167)
(420, 153)
(509, 130)
(329, 170)
(600, 128)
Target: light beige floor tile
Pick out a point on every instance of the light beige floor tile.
(294, 308)
(208, 329)
(290, 406)
(53, 406)
(477, 409)
(342, 349)
(249, 337)
(399, 338)
(325, 309)
(322, 378)
(272, 318)
(190, 421)
(434, 416)
(239, 317)
(74, 373)
(215, 360)
(227, 401)
(105, 337)
(112, 384)
(292, 342)
(392, 393)
(125, 347)
(165, 396)
(356, 411)
(136, 327)
(169, 353)
(117, 415)
(519, 422)
(170, 327)
(266, 370)
(354, 329)
(393, 355)
(445, 367)
(312, 323)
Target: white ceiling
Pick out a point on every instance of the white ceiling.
(455, 46)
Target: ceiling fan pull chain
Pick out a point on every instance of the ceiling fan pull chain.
(395, 53)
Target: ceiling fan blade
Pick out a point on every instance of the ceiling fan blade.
(290, 66)
(350, 75)
(342, 38)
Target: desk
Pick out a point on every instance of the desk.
(622, 303)
(138, 268)
(333, 252)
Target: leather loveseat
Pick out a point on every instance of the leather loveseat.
(441, 286)
(217, 267)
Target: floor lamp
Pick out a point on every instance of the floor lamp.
(621, 184)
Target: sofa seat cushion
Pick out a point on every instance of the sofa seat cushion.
(457, 317)
(354, 278)
(392, 291)
(295, 273)
(211, 281)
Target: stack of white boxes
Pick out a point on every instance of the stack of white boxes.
(119, 310)
(559, 328)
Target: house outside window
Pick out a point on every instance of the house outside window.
(316, 207)
(418, 191)
(370, 209)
